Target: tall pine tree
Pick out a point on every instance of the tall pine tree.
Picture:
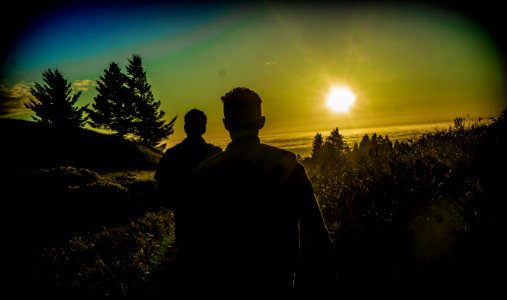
(113, 108)
(149, 124)
(54, 103)
(336, 142)
(335, 148)
(317, 144)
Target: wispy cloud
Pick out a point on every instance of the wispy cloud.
(83, 85)
(12, 99)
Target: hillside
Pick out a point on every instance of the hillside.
(27, 145)
(421, 218)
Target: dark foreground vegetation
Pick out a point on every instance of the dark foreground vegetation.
(416, 218)
(412, 219)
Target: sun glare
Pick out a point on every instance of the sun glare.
(340, 99)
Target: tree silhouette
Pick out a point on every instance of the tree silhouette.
(318, 141)
(53, 104)
(336, 142)
(334, 149)
(112, 108)
(148, 124)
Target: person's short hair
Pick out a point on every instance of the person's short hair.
(242, 108)
(195, 122)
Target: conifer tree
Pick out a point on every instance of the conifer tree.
(149, 124)
(336, 142)
(112, 108)
(54, 103)
(317, 145)
(334, 149)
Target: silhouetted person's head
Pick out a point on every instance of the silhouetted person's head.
(242, 112)
(195, 122)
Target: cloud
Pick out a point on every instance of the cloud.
(83, 85)
(13, 99)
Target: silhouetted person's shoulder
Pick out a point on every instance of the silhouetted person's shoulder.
(211, 162)
(175, 149)
(179, 160)
(194, 148)
(249, 149)
(212, 148)
(279, 155)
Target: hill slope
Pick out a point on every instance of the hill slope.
(27, 145)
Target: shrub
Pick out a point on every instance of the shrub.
(113, 261)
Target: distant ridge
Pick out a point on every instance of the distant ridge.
(27, 145)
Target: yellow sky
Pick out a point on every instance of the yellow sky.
(406, 63)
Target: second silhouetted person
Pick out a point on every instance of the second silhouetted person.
(178, 162)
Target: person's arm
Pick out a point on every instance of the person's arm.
(317, 268)
(315, 237)
(160, 173)
(167, 181)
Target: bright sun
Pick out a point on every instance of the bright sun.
(340, 99)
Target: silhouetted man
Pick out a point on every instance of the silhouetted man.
(178, 162)
(251, 226)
